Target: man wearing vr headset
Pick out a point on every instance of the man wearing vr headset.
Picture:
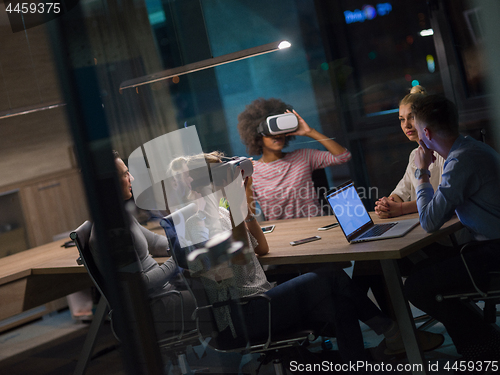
(282, 182)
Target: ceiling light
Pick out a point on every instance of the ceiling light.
(205, 64)
(25, 110)
(427, 32)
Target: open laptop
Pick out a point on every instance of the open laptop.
(355, 221)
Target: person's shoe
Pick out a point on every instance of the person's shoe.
(83, 317)
(427, 340)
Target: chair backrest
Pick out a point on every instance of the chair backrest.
(198, 281)
(485, 288)
(204, 319)
(321, 186)
(81, 236)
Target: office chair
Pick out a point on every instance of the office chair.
(174, 345)
(321, 186)
(271, 346)
(490, 295)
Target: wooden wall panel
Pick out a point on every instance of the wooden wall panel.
(52, 207)
(33, 144)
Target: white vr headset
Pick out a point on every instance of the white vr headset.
(230, 169)
(278, 124)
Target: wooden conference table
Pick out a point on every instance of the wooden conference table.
(48, 272)
(39, 275)
(333, 247)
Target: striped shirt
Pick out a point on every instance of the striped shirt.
(284, 187)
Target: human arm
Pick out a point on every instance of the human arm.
(154, 275)
(402, 200)
(158, 276)
(249, 194)
(304, 129)
(457, 181)
(252, 224)
(158, 246)
(255, 230)
(423, 159)
(393, 206)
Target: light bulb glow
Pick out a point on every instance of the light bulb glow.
(284, 44)
(427, 32)
(431, 65)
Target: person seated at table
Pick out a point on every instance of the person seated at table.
(282, 182)
(368, 274)
(324, 297)
(469, 187)
(157, 278)
(403, 199)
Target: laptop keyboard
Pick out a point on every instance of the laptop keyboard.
(377, 230)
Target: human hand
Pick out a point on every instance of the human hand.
(303, 129)
(382, 208)
(388, 207)
(424, 156)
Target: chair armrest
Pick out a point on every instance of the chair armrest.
(239, 301)
(164, 293)
(470, 246)
(242, 301)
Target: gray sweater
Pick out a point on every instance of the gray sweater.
(145, 242)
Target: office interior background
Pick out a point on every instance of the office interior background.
(349, 64)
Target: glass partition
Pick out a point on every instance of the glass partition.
(392, 49)
(468, 34)
(348, 66)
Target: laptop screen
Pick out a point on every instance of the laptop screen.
(348, 208)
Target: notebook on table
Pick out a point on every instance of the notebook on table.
(355, 221)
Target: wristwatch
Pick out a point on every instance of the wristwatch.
(421, 172)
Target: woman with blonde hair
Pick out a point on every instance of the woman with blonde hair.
(402, 200)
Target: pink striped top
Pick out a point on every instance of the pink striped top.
(284, 188)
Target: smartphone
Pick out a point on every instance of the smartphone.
(268, 229)
(305, 240)
(329, 226)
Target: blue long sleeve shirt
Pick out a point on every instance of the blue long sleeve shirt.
(470, 187)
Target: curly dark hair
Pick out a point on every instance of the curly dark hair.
(252, 116)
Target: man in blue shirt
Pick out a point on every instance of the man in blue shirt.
(469, 187)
